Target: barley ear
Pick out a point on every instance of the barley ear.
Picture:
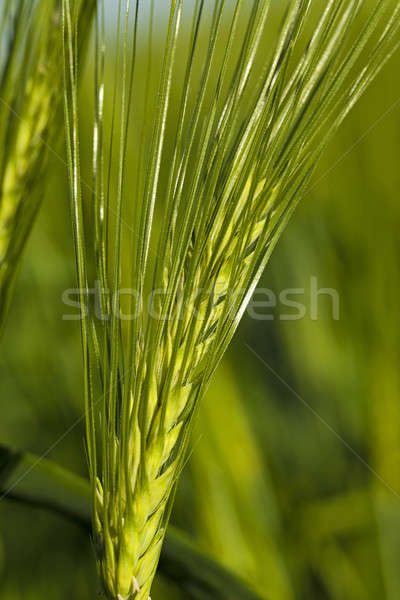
(30, 99)
(192, 186)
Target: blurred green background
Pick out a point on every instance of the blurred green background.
(293, 477)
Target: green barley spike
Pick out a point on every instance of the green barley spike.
(30, 97)
(193, 184)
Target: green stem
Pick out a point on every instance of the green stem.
(42, 483)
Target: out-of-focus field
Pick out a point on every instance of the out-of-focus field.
(294, 474)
